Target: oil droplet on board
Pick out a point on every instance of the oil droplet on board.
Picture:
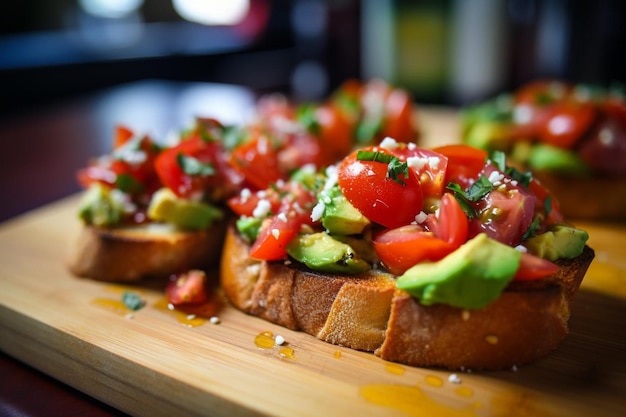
(116, 306)
(412, 401)
(394, 368)
(464, 392)
(337, 354)
(433, 381)
(287, 352)
(183, 317)
(264, 340)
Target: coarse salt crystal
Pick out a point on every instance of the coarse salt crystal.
(454, 378)
(279, 340)
(214, 320)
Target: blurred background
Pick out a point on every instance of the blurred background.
(70, 70)
(444, 51)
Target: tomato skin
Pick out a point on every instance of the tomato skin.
(108, 170)
(464, 163)
(122, 136)
(399, 118)
(542, 193)
(257, 161)
(452, 226)
(432, 176)
(401, 248)
(533, 267)
(187, 288)
(277, 231)
(335, 132)
(380, 199)
(606, 157)
(566, 123)
(504, 214)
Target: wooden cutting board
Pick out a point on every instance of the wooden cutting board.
(154, 362)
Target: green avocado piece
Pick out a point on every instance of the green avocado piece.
(101, 206)
(249, 227)
(322, 253)
(544, 157)
(493, 135)
(559, 242)
(166, 206)
(341, 217)
(471, 277)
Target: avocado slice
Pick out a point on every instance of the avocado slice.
(341, 217)
(322, 253)
(544, 157)
(102, 206)
(167, 207)
(471, 277)
(560, 242)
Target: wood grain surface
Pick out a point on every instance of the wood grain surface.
(155, 362)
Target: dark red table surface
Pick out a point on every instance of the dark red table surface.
(41, 151)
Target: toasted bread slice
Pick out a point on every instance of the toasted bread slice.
(367, 312)
(604, 199)
(123, 254)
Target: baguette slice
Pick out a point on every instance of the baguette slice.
(368, 313)
(604, 200)
(125, 254)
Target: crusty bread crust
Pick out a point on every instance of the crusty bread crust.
(604, 198)
(366, 312)
(124, 254)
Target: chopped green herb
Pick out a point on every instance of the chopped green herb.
(395, 167)
(523, 178)
(479, 188)
(193, 166)
(204, 133)
(474, 193)
(499, 160)
(132, 300)
(305, 114)
(127, 183)
(547, 205)
(532, 229)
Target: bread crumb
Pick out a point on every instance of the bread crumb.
(492, 339)
(465, 315)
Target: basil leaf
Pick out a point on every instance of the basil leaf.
(395, 167)
(127, 183)
(193, 166)
(305, 114)
(523, 178)
(479, 189)
(499, 160)
(466, 204)
(532, 229)
(132, 301)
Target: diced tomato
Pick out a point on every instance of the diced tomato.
(281, 228)
(257, 160)
(122, 135)
(604, 149)
(399, 120)
(187, 288)
(184, 183)
(244, 203)
(464, 163)
(335, 132)
(533, 267)
(542, 193)
(401, 248)
(506, 213)
(452, 225)
(566, 122)
(430, 167)
(381, 199)
(130, 167)
(298, 150)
